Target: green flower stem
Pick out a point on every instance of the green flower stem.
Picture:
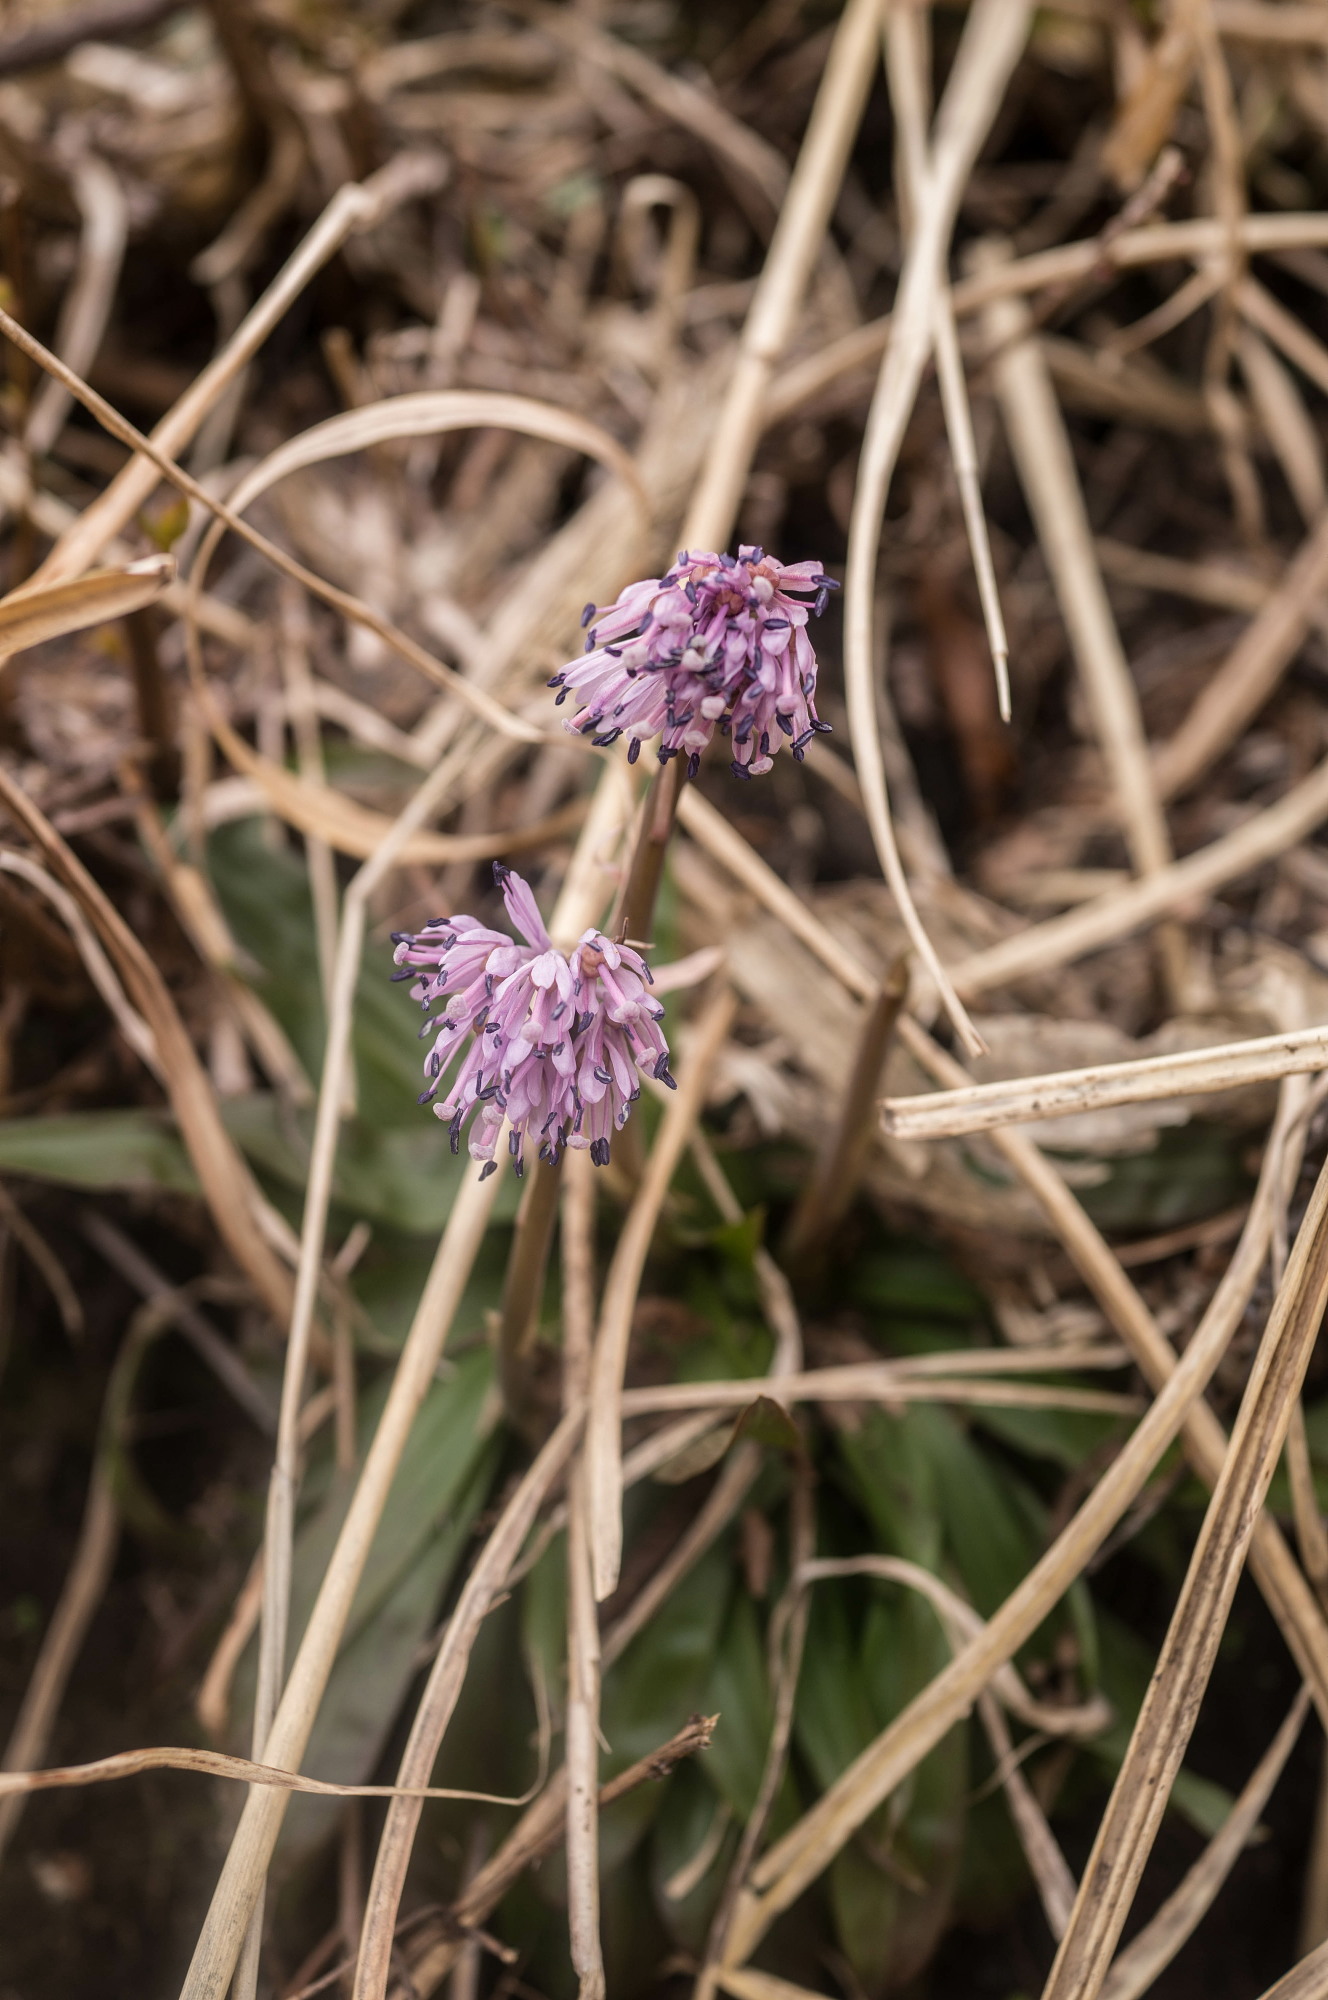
(522, 1291)
(834, 1182)
(636, 908)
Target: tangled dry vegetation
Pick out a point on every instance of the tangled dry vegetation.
(805, 1555)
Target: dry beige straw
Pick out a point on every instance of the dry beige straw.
(1171, 1705)
(1061, 940)
(1157, 243)
(794, 248)
(1236, 692)
(29, 617)
(1045, 461)
(880, 1382)
(581, 1728)
(1153, 1948)
(980, 1107)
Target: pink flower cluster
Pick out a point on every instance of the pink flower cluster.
(553, 1041)
(720, 642)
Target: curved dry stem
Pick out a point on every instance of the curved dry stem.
(487, 1579)
(962, 1624)
(99, 969)
(322, 813)
(1304, 1981)
(350, 606)
(992, 41)
(1048, 1866)
(1171, 1705)
(424, 413)
(905, 65)
(44, 1259)
(721, 1504)
(604, 1425)
(232, 1194)
(216, 1764)
(87, 304)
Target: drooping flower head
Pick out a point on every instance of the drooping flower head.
(721, 642)
(552, 1041)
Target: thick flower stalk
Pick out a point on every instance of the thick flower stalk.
(720, 642)
(551, 1041)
